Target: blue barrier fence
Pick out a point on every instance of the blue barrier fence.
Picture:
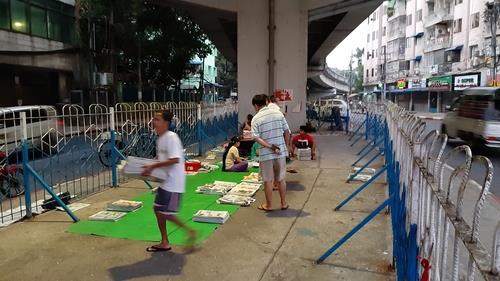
(422, 187)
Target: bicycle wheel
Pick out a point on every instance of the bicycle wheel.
(13, 184)
(144, 146)
(104, 152)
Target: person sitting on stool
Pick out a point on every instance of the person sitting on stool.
(303, 140)
(231, 161)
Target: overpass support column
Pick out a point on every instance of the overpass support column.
(289, 68)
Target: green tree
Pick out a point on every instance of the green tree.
(149, 44)
(358, 80)
(226, 74)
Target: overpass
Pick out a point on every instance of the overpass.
(275, 42)
(326, 82)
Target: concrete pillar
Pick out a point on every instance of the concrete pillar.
(291, 56)
(290, 51)
(252, 53)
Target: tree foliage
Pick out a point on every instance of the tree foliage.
(159, 38)
(358, 80)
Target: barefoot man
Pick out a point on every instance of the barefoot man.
(171, 160)
(271, 131)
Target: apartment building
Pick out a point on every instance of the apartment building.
(38, 59)
(431, 50)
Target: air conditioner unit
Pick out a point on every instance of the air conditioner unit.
(479, 53)
(434, 69)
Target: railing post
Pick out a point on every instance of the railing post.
(199, 128)
(114, 178)
(26, 177)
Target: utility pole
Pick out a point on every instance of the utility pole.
(350, 77)
(492, 14)
(384, 73)
(202, 78)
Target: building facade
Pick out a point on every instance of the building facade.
(38, 61)
(206, 67)
(427, 51)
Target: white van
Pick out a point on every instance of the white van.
(325, 106)
(41, 124)
(475, 117)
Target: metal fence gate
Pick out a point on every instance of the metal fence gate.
(71, 148)
(435, 203)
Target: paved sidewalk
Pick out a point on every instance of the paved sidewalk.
(252, 245)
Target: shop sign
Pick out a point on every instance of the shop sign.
(442, 83)
(401, 84)
(462, 82)
(416, 83)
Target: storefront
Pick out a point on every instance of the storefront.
(467, 80)
(401, 94)
(418, 94)
(437, 88)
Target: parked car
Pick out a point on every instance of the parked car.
(475, 117)
(41, 128)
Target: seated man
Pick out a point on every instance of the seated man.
(303, 140)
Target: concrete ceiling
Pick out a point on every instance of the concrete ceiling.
(330, 21)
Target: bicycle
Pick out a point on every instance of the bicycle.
(142, 144)
(11, 179)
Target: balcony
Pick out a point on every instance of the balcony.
(439, 69)
(444, 14)
(440, 42)
(371, 80)
(396, 28)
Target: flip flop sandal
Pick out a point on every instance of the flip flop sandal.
(262, 208)
(285, 208)
(154, 249)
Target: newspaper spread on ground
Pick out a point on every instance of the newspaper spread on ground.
(210, 216)
(232, 199)
(124, 206)
(245, 189)
(252, 178)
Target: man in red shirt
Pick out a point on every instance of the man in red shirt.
(303, 140)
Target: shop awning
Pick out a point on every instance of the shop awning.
(456, 48)
(418, 58)
(406, 91)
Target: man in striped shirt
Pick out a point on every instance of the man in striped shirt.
(271, 131)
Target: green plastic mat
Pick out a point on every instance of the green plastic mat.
(141, 224)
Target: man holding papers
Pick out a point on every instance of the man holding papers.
(171, 161)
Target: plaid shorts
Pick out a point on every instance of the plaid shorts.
(167, 202)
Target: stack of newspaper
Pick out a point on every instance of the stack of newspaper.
(133, 167)
(124, 206)
(252, 178)
(107, 216)
(233, 199)
(366, 175)
(245, 189)
(210, 216)
(213, 189)
(217, 188)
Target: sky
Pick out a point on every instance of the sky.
(340, 56)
